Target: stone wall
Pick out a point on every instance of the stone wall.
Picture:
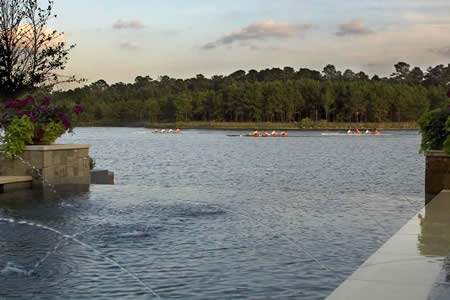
(437, 173)
(58, 164)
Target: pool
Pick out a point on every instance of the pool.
(201, 216)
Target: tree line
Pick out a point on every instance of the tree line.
(270, 95)
(32, 55)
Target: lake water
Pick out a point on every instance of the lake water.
(204, 216)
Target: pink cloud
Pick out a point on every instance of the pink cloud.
(261, 30)
(133, 24)
(353, 28)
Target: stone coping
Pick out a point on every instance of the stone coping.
(436, 153)
(407, 266)
(14, 179)
(56, 147)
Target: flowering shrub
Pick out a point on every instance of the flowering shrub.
(30, 121)
(39, 112)
(435, 129)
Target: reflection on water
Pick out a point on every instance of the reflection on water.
(204, 216)
(36, 197)
(434, 239)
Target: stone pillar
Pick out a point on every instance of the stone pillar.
(58, 164)
(437, 173)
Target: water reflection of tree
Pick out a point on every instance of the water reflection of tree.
(434, 239)
(29, 198)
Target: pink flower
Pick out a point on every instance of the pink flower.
(46, 101)
(78, 109)
(23, 103)
(67, 123)
(59, 113)
(30, 99)
(11, 103)
(23, 113)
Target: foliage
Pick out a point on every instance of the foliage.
(280, 126)
(307, 123)
(30, 52)
(47, 123)
(271, 95)
(446, 147)
(40, 112)
(52, 131)
(18, 133)
(434, 127)
(91, 163)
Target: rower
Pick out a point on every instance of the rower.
(265, 133)
(255, 133)
(368, 132)
(349, 131)
(177, 130)
(283, 133)
(357, 131)
(163, 131)
(274, 133)
(170, 131)
(376, 132)
(155, 130)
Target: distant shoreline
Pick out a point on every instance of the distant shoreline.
(319, 125)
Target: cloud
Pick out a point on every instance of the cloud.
(445, 52)
(434, 17)
(353, 28)
(379, 68)
(260, 30)
(129, 46)
(133, 24)
(379, 52)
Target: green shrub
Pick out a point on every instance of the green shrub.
(435, 127)
(447, 140)
(18, 134)
(306, 123)
(91, 163)
(52, 131)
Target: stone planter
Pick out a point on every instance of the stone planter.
(437, 173)
(55, 164)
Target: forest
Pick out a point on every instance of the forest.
(271, 95)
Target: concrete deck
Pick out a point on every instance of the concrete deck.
(411, 265)
(56, 147)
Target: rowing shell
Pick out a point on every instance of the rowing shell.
(333, 134)
(249, 135)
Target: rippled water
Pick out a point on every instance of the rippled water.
(206, 216)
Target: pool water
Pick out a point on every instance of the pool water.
(201, 215)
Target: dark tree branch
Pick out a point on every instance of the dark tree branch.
(30, 53)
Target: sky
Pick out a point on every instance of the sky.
(119, 40)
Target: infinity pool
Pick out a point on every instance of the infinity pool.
(204, 216)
